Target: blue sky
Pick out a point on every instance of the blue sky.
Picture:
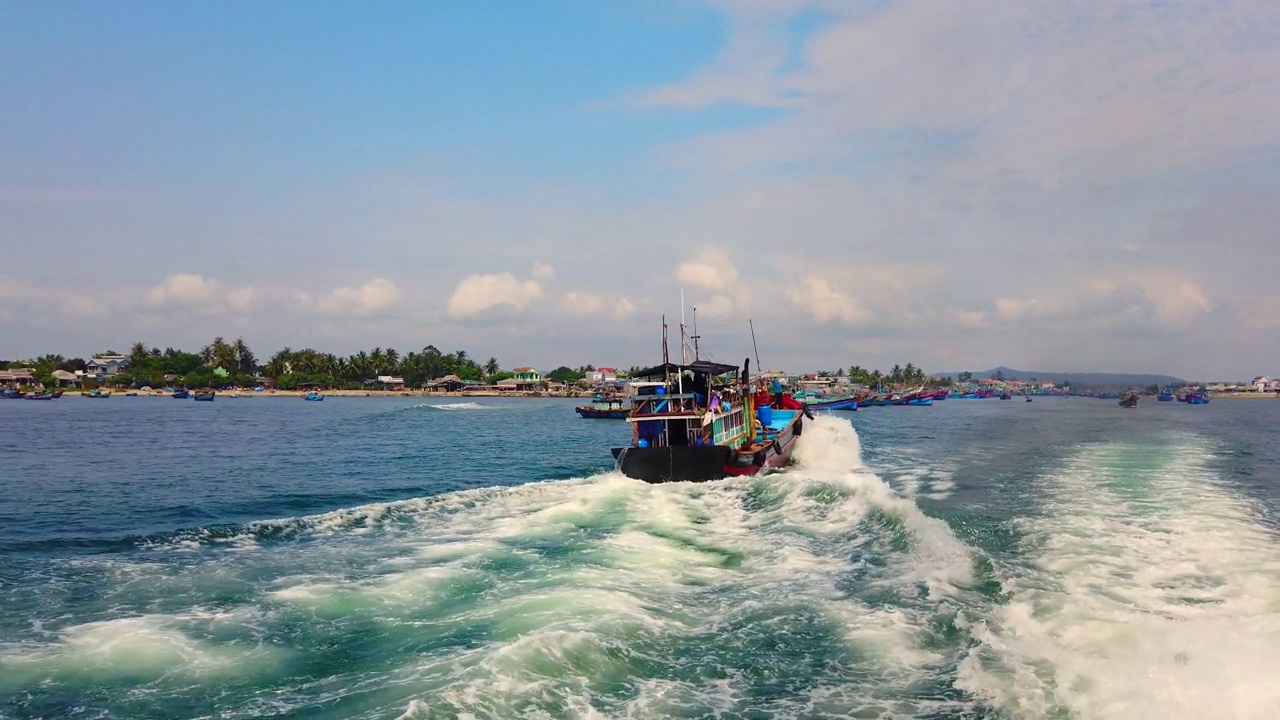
(956, 185)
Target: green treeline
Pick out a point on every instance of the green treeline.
(234, 364)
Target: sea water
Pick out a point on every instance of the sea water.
(479, 558)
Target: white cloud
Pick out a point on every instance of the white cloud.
(477, 293)
(712, 271)
(972, 319)
(825, 302)
(542, 272)
(1014, 309)
(242, 300)
(375, 296)
(185, 290)
(587, 304)
(580, 303)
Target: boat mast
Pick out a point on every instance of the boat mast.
(684, 349)
(694, 337)
(666, 352)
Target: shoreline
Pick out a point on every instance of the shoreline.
(373, 393)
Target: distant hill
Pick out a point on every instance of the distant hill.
(1077, 380)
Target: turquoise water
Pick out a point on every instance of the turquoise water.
(411, 558)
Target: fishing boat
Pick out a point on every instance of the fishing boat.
(1029, 398)
(1198, 397)
(703, 423)
(181, 394)
(41, 396)
(12, 394)
(1130, 400)
(1005, 396)
(313, 396)
(204, 396)
(605, 407)
(96, 394)
(701, 420)
(846, 402)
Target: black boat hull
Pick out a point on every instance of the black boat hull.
(673, 464)
(705, 462)
(594, 414)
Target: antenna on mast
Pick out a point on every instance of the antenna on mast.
(665, 352)
(694, 337)
(684, 347)
(753, 345)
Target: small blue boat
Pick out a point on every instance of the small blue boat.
(1166, 395)
(181, 394)
(204, 396)
(313, 396)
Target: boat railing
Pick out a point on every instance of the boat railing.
(664, 405)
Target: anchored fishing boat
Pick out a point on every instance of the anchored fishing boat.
(605, 407)
(204, 396)
(701, 420)
(848, 402)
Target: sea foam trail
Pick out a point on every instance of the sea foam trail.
(1154, 594)
(613, 598)
(812, 593)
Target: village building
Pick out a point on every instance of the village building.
(17, 376)
(448, 383)
(390, 382)
(65, 378)
(599, 376)
(516, 384)
(105, 366)
(527, 375)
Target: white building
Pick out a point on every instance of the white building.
(104, 366)
(601, 375)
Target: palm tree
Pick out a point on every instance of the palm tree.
(895, 374)
(245, 360)
(491, 366)
(138, 354)
(278, 364)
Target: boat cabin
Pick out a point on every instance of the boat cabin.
(697, 404)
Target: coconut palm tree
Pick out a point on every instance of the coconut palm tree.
(245, 360)
(138, 354)
(491, 366)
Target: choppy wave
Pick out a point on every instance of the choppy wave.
(810, 593)
(455, 406)
(1153, 593)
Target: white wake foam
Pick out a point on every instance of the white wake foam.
(454, 406)
(1155, 594)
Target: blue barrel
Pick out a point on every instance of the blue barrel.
(765, 413)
